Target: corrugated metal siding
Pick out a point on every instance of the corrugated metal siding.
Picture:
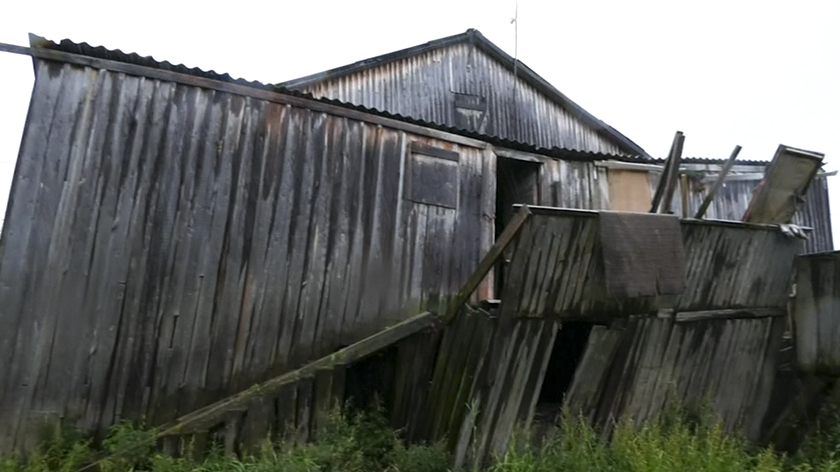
(816, 213)
(422, 87)
(734, 198)
(168, 244)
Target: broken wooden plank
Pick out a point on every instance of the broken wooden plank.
(718, 183)
(663, 178)
(728, 314)
(232, 429)
(785, 182)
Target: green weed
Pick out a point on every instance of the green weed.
(363, 442)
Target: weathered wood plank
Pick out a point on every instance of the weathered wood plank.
(785, 182)
(737, 313)
(590, 376)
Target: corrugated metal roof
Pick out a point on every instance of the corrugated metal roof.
(100, 52)
(698, 161)
(475, 38)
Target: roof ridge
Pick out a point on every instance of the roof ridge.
(475, 37)
(100, 52)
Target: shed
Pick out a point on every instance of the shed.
(467, 83)
(176, 236)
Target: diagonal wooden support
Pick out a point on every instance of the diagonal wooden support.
(667, 171)
(718, 183)
(211, 414)
(487, 263)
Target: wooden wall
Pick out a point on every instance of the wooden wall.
(166, 245)
(485, 387)
(557, 271)
(719, 340)
(816, 314)
(574, 184)
(636, 371)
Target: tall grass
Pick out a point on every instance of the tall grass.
(675, 442)
(360, 442)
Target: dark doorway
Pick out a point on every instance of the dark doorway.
(568, 350)
(517, 182)
(372, 378)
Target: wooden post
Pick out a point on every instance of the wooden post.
(673, 175)
(718, 183)
(663, 178)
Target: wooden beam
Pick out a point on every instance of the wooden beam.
(487, 263)
(211, 414)
(663, 178)
(673, 174)
(783, 188)
(718, 183)
(729, 314)
(621, 165)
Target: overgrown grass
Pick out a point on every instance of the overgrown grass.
(360, 442)
(364, 443)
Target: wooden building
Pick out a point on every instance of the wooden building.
(174, 236)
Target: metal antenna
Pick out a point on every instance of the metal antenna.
(515, 22)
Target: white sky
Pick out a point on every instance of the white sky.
(756, 73)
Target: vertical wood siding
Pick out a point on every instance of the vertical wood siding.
(816, 314)
(637, 371)
(721, 339)
(166, 245)
(557, 271)
(574, 184)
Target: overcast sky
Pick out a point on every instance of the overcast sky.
(754, 73)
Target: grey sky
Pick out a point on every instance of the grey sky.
(754, 73)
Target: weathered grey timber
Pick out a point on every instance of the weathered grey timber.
(816, 314)
(718, 340)
(174, 237)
